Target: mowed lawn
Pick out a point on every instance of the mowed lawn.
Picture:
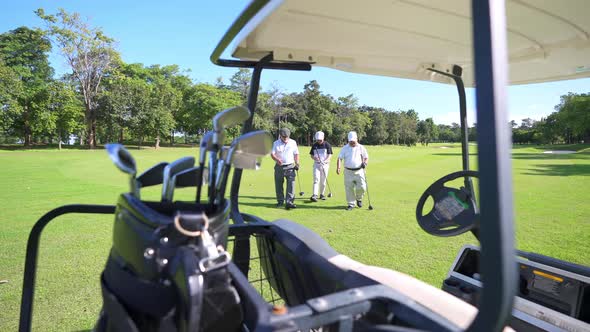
(552, 217)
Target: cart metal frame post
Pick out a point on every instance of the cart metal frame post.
(498, 268)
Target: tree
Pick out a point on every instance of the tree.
(240, 82)
(203, 101)
(89, 53)
(10, 109)
(66, 109)
(23, 54)
(316, 107)
(573, 112)
(377, 133)
(426, 131)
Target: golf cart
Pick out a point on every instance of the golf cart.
(284, 276)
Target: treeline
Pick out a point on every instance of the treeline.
(570, 123)
(103, 99)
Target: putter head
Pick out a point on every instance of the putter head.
(370, 207)
(121, 158)
(301, 193)
(330, 195)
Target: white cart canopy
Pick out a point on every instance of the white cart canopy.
(548, 40)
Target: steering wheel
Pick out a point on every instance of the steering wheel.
(454, 211)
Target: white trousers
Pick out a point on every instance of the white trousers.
(355, 185)
(320, 172)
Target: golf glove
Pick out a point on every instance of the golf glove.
(296, 167)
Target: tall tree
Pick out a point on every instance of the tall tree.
(573, 112)
(10, 109)
(240, 82)
(66, 109)
(378, 132)
(88, 52)
(23, 52)
(317, 109)
(203, 101)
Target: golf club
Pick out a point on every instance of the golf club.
(170, 170)
(188, 178)
(245, 153)
(206, 143)
(227, 118)
(301, 193)
(367, 184)
(325, 175)
(152, 176)
(125, 162)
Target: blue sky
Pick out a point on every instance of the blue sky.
(185, 33)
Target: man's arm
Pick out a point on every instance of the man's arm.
(338, 166)
(365, 156)
(313, 155)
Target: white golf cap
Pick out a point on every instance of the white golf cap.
(319, 135)
(352, 136)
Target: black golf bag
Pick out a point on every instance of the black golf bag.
(167, 269)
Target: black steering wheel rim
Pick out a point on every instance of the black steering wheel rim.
(454, 212)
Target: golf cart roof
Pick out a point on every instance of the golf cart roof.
(548, 40)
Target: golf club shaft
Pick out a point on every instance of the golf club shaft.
(301, 193)
(367, 185)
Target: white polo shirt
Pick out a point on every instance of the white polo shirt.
(285, 151)
(353, 156)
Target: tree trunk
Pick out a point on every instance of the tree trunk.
(171, 137)
(27, 127)
(90, 127)
(121, 135)
(158, 142)
(59, 142)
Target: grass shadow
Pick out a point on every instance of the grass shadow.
(301, 202)
(559, 170)
(550, 156)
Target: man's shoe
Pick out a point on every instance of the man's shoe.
(322, 197)
(349, 208)
(290, 206)
(314, 198)
(280, 204)
(359, 204)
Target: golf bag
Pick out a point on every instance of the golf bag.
(167, 269)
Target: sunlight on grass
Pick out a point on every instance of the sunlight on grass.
(552, 217)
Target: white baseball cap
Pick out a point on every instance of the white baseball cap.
(352, 136)
(319, 135)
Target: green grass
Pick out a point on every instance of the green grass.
(551, 212)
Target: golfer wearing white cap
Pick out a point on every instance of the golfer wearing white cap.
(321, 153)
(286, 155)
(355, 158)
